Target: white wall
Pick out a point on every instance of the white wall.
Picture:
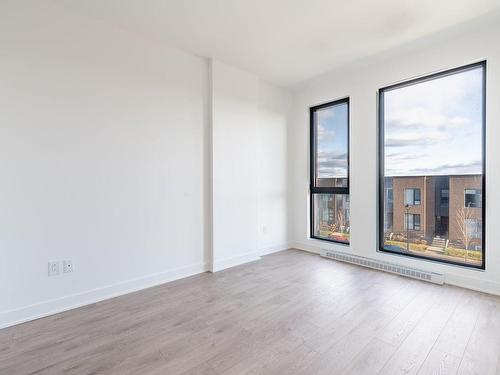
(104, 160)
(103, 139)
(274, 110)
(360, 82)
(248, 166)
(234, 165)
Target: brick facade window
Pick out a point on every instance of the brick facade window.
(473, 198)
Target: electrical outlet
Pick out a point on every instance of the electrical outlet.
(67, 266)
(53, 268)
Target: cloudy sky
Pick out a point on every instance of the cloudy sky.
(434, 127)
(332, 141)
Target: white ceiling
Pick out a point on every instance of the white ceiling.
(284, 41)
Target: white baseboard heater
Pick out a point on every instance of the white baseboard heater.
(398, 269)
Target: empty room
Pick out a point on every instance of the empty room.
(226, 187)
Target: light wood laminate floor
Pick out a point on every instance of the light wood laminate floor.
(290, 313)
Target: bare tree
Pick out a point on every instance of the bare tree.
(341, 220)
(464, 214)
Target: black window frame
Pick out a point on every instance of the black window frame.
(381, 160)
(313, 189)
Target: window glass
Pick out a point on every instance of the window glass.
(329, 186)
(331, 145)
(412, 221)
(444, 197)
(331, 219)
(431, 161)
(412, 197)
(473, 198)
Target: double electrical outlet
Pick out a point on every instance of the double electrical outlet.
(55, 266)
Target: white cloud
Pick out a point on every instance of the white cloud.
(332, 164)
(323, 115)
(325, 134)
(416, 139)
(434, 127)
(422, 117)
(326, 113)
(474, 167)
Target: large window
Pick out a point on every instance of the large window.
(431, 199)
(329, 185)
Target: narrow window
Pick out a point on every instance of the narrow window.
(416, 221)
(329, 184)
(444, 199)
(431, 134)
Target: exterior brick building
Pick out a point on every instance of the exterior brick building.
(434, 206)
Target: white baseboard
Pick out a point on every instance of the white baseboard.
(310, 248)
(222, 264)
(461, 281)
(485, 286)
(273, 249)
(54, 306)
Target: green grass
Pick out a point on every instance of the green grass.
(462, 253)
(450, 251)
(413, 246)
